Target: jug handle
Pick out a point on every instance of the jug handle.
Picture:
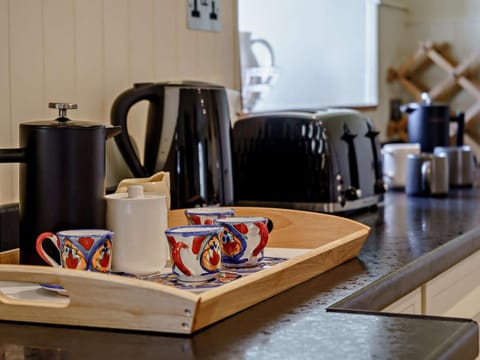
(118, 117)
(460, 120)
(267, 46)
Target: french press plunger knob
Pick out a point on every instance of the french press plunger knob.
(62, 109)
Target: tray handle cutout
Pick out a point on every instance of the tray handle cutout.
(31, 294)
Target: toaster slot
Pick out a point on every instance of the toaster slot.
(353, 191)
(379, 186)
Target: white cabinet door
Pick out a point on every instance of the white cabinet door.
(455, 292)
(409, 304)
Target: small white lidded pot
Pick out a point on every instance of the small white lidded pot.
(139, 221)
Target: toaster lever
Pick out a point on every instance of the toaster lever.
(379, 186)
(349, 137)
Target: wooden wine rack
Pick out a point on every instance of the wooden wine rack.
(460, 76)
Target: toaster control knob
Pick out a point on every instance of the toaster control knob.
(353, 193)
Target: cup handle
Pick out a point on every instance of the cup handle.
(263, 230)
(426, 176)
(176, 247)
(39, 246)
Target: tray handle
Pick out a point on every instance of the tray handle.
(7, 299)
(99, 300)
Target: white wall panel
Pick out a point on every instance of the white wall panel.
(116, 50)
(89, 61)
(223, 59)
(5, 128)
(188, 46)
(167, 19)
(141, 60)
(27, 66)
(6, 170)
(59, 51)
(207, 58)
(141, 40)
(116, 76)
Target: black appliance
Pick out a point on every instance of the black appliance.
(325, 161)
(62, 177)
(188, 134)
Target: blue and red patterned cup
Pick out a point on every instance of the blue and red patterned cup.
(83, 249)
(195, 251)
(243, 240)
(207, 215)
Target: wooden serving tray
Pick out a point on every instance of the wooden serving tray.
(312, 242)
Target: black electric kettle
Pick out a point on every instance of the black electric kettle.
(187, 134)
(62, 177)
(429, 124)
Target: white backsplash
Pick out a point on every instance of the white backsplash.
(89, 51)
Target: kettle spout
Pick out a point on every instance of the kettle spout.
(111, 131)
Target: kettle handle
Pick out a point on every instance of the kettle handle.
(118, 116)
(460, 120)
(269, 48)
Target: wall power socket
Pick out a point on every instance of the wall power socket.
(203, 15)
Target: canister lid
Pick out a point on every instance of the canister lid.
(135, 192)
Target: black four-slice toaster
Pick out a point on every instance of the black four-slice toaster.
(325, 161)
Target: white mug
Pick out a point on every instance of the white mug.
(395, 163)
(139, 221)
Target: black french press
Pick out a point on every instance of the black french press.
(62, 177)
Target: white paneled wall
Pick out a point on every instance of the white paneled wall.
(89, 51)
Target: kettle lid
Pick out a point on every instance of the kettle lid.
(187, 84)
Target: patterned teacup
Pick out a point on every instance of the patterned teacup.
(207, 215)
(84, 249)
(243, 240)
(195, 251)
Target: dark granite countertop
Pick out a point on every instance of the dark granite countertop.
(332, 316)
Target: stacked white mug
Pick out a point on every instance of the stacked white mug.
(395, 163)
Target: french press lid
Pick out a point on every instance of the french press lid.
(62, 121)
